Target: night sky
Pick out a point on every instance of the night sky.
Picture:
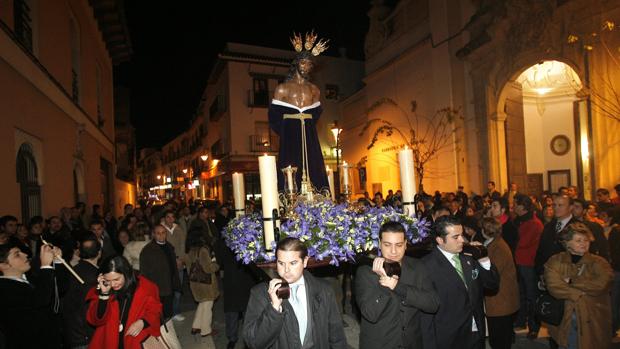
(174, 48)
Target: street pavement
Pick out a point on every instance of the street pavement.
(219, 341)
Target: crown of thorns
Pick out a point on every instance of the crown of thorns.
(308, 44)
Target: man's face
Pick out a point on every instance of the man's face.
(170, 219)
(186, 211)
(578, 210)
(128, 209)
(490, 187)
(55, 224)
(159, 234)
(393, 246)
(453, 242)
(513, 187)
(572, 192)
(305, 67)
(454, 206)
(17, 261)
(561, 207)
(600, 196)
(10, 228)
(36, 229)
(97, 229)
(496, 209)
(290, 265)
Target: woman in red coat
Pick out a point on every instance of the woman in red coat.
(124, 309)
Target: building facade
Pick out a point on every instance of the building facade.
(231, 126)
(56, 99)
(534, 82)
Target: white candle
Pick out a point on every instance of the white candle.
(269, 194)
(289, 179)
(330, 180)
(238, 193)
(345, 174)
(407, 179)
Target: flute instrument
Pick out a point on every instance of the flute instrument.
(66, 264)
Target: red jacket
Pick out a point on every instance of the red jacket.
(529, 238)
(145, 305)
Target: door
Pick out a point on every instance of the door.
(515, 136)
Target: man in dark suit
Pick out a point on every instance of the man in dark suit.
(550, 243)
(390, 304)
(26, 319)
(308, 319)
(599, 246)
(107, 247)
(158, 264)
(77, 332)
(459, 280)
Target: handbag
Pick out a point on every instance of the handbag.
(167, 340)
(550, 309)
(197, 274)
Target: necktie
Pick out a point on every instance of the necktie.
(299, 306)
(459, 267)
(558, 226)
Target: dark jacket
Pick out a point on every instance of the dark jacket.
(156, 266)
(614, 248)
(599, 246)
(390, 318)
(264, 327)
(27, 320)
(238, 279)
(451, 326)
(74, 307)
(549, 245)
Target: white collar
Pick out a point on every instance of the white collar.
(448, 255)
(170, 230)
(565, 220)
(301, 281)
(284, 104)
(488, 241)
(15, 278)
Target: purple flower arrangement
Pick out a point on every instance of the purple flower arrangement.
(338, 232)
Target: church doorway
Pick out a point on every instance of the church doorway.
(546, 129)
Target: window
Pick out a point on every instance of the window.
(75, 59)
(22, 17)
(260, 92)
(28, 179)
(217, 108)
(331, 91)
(99, 91)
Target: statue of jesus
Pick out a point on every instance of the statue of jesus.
(293, 114)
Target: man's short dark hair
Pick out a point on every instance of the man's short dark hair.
(35, 220)
(491, 182)
(167, 212)
(4, 252)
(292, 244)
(582, 202)
(436, 209)
(96, 222)
(391, 227)
(440, 229)
(89, 246)
(602, 191)
(524, 200)
(617, 187)
(5, 219)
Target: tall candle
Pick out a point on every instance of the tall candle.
(289, 179)
(407, 179)
(269, 194)
(345, 174)
(238, 193)
(330, 180)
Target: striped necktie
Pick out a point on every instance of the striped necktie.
(459, 267)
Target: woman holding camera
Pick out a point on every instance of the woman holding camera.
(124, 308)
(583, 281)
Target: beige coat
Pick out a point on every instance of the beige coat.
(176, 237)
(506, 300)
(132, 252)
(204, 292)
(587, 295)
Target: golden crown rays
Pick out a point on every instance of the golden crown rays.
(308, 45)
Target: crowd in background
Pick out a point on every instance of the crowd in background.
(555, 242)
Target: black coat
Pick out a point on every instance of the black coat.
(510, 233)
(391, 319)
(600, 245)
(156, 266)
(451, 326)
(27, 320)
(74, 306)
(238, 279)
(264, 327)
(549, 245)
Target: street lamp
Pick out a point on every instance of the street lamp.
(336, 132)
(204, 157)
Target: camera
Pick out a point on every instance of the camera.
(283, 291)
(391, 268)
(476, 251)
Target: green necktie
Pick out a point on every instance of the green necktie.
(459, 267)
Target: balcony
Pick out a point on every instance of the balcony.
(217, 108)
(264, 143)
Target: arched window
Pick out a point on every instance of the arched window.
(27, 177)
